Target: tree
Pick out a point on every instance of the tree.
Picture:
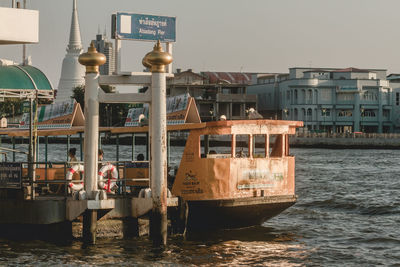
(10, 107)
(110, 114)
(79, 95)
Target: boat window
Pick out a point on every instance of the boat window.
(276, 145)
(259, 146)
(216, 146)
(242, 146)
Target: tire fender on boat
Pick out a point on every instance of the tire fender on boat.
(108, 183)
(70, 173)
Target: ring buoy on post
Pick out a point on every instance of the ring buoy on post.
(109, 183)
(70, 173)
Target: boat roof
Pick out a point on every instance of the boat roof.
(15, 132)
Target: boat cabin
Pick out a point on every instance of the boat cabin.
(233, 159)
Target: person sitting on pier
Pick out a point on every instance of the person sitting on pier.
(141, 163)
(100, 158)
(101, 154)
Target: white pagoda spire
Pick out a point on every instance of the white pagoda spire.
(72, 73)
(75, 42)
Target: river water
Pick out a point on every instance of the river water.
(347, 214)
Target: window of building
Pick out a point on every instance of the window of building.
(370, 95)
(309, 97)
(345, 113)
(368, 113)
(345, 97)
(386, 113)
(325, 112)
(397, 99)
(288, 95)
(326, 94)
(236, 109)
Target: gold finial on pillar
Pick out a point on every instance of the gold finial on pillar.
(157, 59)
(92, 59)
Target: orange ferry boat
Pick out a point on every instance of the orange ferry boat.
(237, 173)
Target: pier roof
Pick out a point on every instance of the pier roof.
(127, 130)
(23, 77)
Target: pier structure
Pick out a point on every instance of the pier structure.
(156, 61)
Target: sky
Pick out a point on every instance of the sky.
(232, 35)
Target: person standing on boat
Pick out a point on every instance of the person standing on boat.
(72, 156)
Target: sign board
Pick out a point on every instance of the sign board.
(3, 122)
(57, 115)
(128, 26)
(180, 109)
(10, 175)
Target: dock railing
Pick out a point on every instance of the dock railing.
(51, 178)
(348, 135)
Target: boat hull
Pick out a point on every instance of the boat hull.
(235, 213)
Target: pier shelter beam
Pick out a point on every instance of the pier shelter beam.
(156, 60)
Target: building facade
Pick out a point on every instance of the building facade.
(103, 45)
(216, 93)
(329, 99)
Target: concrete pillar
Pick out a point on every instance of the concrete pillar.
(91, 133)
(92, 60)
(89, 226)
(156, 60)
(158, 155)
(130, 227)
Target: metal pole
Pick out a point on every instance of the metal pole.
(117, 150)
(81, 145)
(68, 145)
(13, 147)
(30, 151)
(24, 45)
(133, 147)
(46, 141)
